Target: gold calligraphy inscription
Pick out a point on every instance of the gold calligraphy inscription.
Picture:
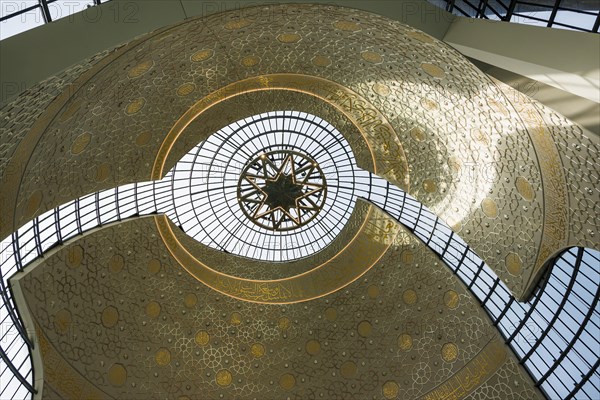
(554, 184)
(383, 142)
(367, 246)
(472, 375)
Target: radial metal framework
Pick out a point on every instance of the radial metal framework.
(217, 186)
(555, 334)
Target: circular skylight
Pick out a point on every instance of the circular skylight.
(276, 186)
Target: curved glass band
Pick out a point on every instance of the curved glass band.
(555, 334)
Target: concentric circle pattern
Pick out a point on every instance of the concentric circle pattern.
(220, 196)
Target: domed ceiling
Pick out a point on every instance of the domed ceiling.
(143, 309)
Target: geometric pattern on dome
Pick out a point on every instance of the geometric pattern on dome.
(223, 189)
(548, 333)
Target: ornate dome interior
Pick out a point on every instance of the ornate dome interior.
(295, 202)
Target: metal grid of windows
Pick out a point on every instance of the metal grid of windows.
(555, 334)
(22, 15)
(580, 15)
(206, 181)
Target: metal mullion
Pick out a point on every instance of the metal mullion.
(475, 8)
(530, 311)
(571, 26)
(45, 11)
(510, 10)
(16, 372)
(78, 217)
(36, 236)
(481, 9)
(17, 13)
(450, 5)
(558, 311)
(572, 342)
(530, 17)
(553, 13)
(596, 24)
(496, 13)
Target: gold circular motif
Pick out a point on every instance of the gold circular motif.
(162, 357)
(489, 207)
(381, 89)
(433, 70)
(116, 263)
(498, 107)
(409, 297)
(454, 223)
(33, 204)
(417, 134)
(347, 26)
(449, 352)
(524, 188)
(223, 378)
(407, 256)
(289, 38)
(371, 56)
(143, 138)
(62, 321)
(331, 314)
(321, 61)
(190, 300)
(185, 89)
(405, 342)
(480, 137)
(429, 186)
(313, 347)
(202, 55)
(284, 323)
(135, 106)
(74, 256)
(513, 264)
(348, 369)
(250, 61)
(257, 350)
(455, 164)
(429, 104)
(365, 328)
(80, 143)
(153, 309)
(110, 317)
(237, 24)
(117, 375)
(287, 381)
(102, 172)
(390, 390)
(373, 291)
(420, 36)
(154, 266)
(202, 338)
(140, 69)
(451, 299)
(236, 318)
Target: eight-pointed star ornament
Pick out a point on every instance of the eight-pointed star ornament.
(282, 190)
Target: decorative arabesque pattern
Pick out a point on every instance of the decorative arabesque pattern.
(383, 61)
(538, 331)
